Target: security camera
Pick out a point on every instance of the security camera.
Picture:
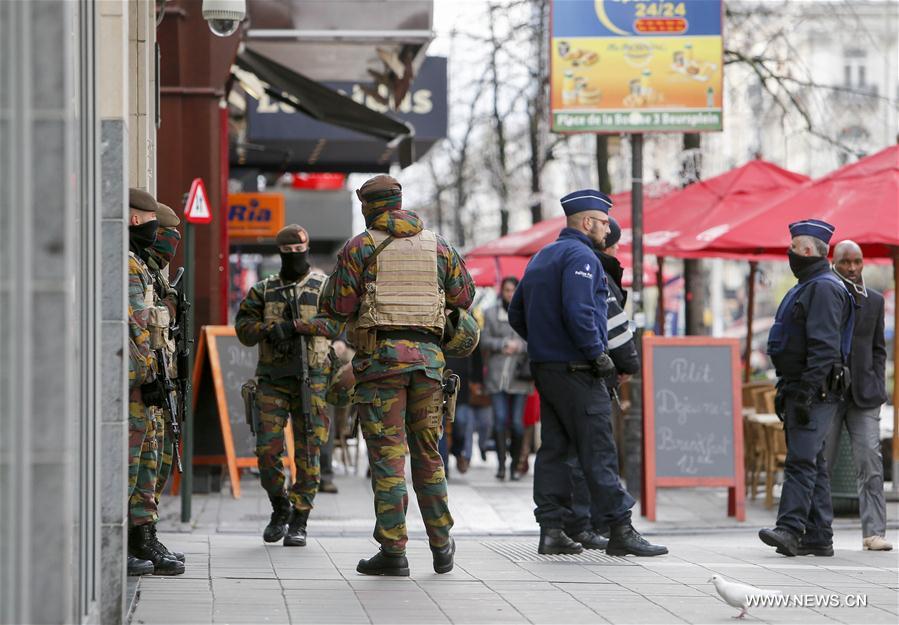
(224, 16)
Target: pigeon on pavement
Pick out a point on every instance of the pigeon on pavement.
(737, 595)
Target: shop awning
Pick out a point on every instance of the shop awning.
(326, 105)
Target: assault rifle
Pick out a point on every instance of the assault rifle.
(300, 365)
(180, 332)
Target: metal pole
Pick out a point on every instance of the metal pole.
(634, 420)
(896, 370)
(660, 290)
(750, 311)
(187, 478)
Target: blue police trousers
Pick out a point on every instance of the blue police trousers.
(805, 505)
(575, 415)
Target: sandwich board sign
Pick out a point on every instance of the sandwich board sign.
(197, 210)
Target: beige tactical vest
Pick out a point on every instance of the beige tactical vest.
(307, 292)
(406, 292)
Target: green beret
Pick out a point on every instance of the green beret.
(291, 235)
(142, 201)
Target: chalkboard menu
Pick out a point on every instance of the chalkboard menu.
(221, 433)
(693, 415)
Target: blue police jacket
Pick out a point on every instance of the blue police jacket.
(559, 307)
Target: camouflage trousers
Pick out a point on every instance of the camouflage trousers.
(144, 424)
(276, 403)
(165, 443)
(395, 411)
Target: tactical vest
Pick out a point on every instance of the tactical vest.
(784, 351)
(158, 317)
(277, 309)
(406, 292)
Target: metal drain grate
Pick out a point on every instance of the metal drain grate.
(526, 551)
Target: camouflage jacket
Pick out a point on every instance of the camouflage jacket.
(267, 304)
(343, 294)
(142, 361)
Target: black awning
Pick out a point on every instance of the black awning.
(326, 105)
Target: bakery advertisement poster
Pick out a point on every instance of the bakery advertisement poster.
(636, 66)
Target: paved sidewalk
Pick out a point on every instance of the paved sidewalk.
(236, 579)
(233, 577)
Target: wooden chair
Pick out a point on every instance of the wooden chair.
(347, 435)
(749, 388)
(754, 452)
(776, 443)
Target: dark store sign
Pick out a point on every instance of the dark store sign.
(693, 422)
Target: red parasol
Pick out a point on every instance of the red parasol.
(861, 200)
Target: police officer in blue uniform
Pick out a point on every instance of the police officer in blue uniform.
(809, 345)
(560, 309)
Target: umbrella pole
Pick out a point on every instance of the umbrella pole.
(896, 370)
(750, 311)
(660, 287)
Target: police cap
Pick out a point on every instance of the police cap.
(812, 228)
(586, 200)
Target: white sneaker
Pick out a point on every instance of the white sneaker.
(876, 543)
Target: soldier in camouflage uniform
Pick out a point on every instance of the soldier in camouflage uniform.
(265, 318)
(147, 316)
(393, 283)
(159, 255)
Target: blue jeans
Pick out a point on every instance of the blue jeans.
(508, 416)
(470, 419)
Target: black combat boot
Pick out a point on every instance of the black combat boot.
(296, 529)
(144, 547)
(136, 566)
(590, 539)
(554, 541)
(394, 565)
(624, 540)
(277, 526)
(787, 542)
(175, 555)
(443, 557)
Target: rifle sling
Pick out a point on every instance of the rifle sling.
(374, 255)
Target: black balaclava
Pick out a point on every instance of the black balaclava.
(143, 236)
(799, 263)
(294, 265)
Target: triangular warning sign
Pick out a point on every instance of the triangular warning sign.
(197, 210)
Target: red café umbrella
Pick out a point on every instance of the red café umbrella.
(509, 254)
(684, 220)
(860, 199)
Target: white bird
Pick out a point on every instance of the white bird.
(738, 595)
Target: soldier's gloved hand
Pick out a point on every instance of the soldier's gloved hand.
(151, 394)
(282, 331)
(779, 404)
(602, 366)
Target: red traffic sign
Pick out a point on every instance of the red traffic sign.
(197, 210)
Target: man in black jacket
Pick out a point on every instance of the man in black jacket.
(860, 409)
(809, 345)
(623, 351)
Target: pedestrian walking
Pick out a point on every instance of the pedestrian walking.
(860, 409)
(393, 283)
(279, 314)
(148, 324)
(560, 308)
(473, 415)
(809, 345)
(506, 380)
(585, 525)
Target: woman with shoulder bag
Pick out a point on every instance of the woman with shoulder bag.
(506, 359)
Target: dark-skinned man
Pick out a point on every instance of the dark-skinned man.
(560, 309)
(860, 409)
(809, 345)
